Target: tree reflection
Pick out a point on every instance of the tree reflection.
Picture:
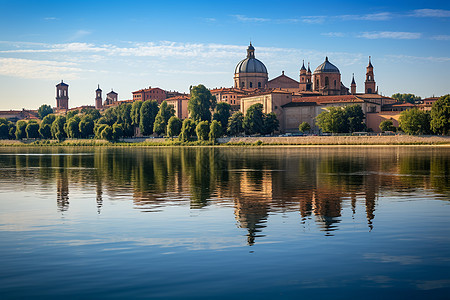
(320, 184)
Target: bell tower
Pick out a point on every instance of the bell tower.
(62, 95)
(353, 85)
(370, 80)
(98, 98)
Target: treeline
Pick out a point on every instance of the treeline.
(412, 121)
(208, 121)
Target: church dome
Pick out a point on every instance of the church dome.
(326, 67)
(250, 64)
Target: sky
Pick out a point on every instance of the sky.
(130, 45)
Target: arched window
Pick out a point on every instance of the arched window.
(251, 84)
(369, 77)
(327, 81)
(317, 83)
(243, 84)
(335, 84)
(259, 84)
(369, 91)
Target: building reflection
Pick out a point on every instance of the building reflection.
(322, 185)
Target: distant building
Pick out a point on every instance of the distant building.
(111, 99)
(98, 98)
(150, 94)
(180, 105)
(62, 96)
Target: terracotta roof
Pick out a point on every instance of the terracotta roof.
(178, 98)
(147, 90)
(267, 91)
(328, 99)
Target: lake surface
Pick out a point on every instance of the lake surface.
(225, 223)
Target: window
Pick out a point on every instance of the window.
(335, 84)
(243, 84)
(251, 84)
(369, 91)
(259, 84)
(327, 81)
(317, 83)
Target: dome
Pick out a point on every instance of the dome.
(250, 64)
(326, 67)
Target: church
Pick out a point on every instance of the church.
(299, 101)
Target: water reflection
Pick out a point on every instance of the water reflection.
(317, 183)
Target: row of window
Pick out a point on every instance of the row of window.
(250, 85)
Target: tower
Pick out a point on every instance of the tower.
(98, 98)
(353, 85)
(370, 80)
(303, 77)
(62, 95)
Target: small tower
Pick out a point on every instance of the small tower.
(370, 80)
(98, 98)
(303, 77)
(353, 85)
(62, 95)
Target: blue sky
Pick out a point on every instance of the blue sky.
(129, 45)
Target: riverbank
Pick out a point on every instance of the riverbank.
(247, 141)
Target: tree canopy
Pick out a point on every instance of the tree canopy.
(409, 98)
(440, 115)
(341, 119)
(235, 123)
(222, 113)
(44, 110)
(254, 119)
(200, 103)
(148, 112)
(414, 121)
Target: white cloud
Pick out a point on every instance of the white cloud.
(313, 19)
(50, 19)
(383, 16)
(243, 18)
(441, 37)
(391, 35)
(38, 69)
(434, 13)
(333, 34)
(79, 34)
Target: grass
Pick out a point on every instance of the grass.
(244, 141)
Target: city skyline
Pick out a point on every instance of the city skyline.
(172, 45)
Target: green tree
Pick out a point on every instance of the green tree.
(187, 130)
(332, 120)
(149, 110)
(94, 113)
(70, 114)
(123, 113)
(45, 131)
(414, 121)
(162, 118)
(387, 125)
(200, 103)
(136, 113)
(304, 127)
(86, 126)
(355, 118)
(222, 113)
(32, 130)
(57, 128)
(4, 131)
(254, 119)
(174, 127)
(202, 130)
(98, 128)
(117, 131)
(106, 133)
(48, 119)
(410, 98)
(215, 130)
(12, 130)
(20, 130)
(270, 123)
(235, 123)
(44, 110)
(440, 115)
(72, 127)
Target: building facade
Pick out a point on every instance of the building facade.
(62, 96)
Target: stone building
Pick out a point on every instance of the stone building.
(62, 96)
(250, 72)
(111, 98)
(150, 94)
(180, 105)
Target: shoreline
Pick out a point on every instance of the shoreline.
(301, 141)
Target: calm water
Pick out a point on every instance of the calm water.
(229, 223)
